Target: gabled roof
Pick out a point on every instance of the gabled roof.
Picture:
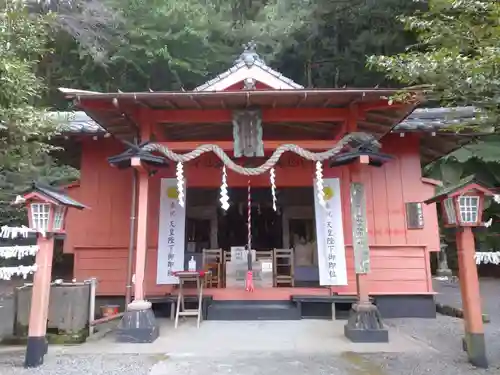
(451, 190)
(249, 65)
(53, 194)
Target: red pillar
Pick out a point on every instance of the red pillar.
(471, 298)
(142, 235)
(36, 346)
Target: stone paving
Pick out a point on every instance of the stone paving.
(448, 293)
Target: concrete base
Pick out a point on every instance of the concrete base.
(138, 324)
(474, 345)
(36, 348)
(365, 325)
(444, 272)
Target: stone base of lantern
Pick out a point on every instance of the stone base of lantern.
(36, 348)
(138, 324)
(365, 324)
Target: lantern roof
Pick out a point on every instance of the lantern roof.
(52, 195)
(124, 160)
(464, 185)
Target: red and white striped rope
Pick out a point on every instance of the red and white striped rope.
(249, 217)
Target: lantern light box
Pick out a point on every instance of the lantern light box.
(462, 203)
(47, 208)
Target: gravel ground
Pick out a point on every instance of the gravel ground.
(12, 364)
(443, 334)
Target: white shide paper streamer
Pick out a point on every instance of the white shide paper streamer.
(6, 273)
(180, 183)
(319, 184)
(224, 197)
(487, 258)
(19, 252)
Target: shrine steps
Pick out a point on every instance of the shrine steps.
(253, 310)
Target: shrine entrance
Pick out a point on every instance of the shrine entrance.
(285, 236)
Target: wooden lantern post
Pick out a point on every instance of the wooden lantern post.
(462, 206)
(47, 209)
(365, 322)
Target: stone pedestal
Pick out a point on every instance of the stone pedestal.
(138, 324)
(365, 324)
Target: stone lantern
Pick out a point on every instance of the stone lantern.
(47, 210)
(462, 207)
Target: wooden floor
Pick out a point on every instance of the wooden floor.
(264, 294)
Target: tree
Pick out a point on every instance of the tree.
(25, 128)
(330, 49)
(457, 55)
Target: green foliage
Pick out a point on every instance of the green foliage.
(331, 49)
(457, 54)
(24, 126)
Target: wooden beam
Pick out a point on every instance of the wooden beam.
(268, 145)
(268, 115)
(379, 104)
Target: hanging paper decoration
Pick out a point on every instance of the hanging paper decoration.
(224, 197)
(319, 184)
(180, 184)
(249, 217)
(249, 287)
(15, 232)
(6, 273)
(18, 252)
(487, 258)
(272, 176)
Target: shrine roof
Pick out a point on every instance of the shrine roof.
(421, 119)
(438, 139)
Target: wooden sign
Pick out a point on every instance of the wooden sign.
(414, 215)
(359, 229)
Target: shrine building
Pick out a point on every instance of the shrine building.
(308, 178)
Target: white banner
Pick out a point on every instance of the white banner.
(171, 233)
(330, 235)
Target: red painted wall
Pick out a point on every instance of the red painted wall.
(400, 257)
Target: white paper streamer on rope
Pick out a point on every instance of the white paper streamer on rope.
(224, 197)
(319, 184)
(18, 252)
(15, 232)
(180, 184)
(6, 273)
(272, 177)
(487, 258)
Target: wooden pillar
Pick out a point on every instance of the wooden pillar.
(365, 322)
(471, 298)
(36, 345)
(142, 230)
(359, 174)
(138, 324)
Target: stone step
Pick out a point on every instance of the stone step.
(253, 310)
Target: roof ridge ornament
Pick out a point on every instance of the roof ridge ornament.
(249, 55)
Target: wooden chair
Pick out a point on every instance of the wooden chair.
(283, 267)
(212, 261)
(264, 254)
